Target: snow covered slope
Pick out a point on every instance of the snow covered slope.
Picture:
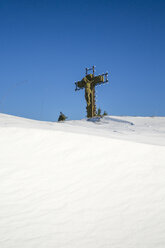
(82, 184)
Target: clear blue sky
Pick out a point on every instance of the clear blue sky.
(45, 46)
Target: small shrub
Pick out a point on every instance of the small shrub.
(105, 113)
(99, 112)
(62, 117)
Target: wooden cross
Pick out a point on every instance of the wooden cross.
(89, 82)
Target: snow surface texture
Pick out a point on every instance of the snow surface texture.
(82, 184)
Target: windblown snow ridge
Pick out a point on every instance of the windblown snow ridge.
(62, 187)
(149, 130)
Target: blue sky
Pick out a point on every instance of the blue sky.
(45, 46)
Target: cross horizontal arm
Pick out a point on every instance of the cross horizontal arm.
(101, 79)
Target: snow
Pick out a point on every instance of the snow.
(90, 183)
